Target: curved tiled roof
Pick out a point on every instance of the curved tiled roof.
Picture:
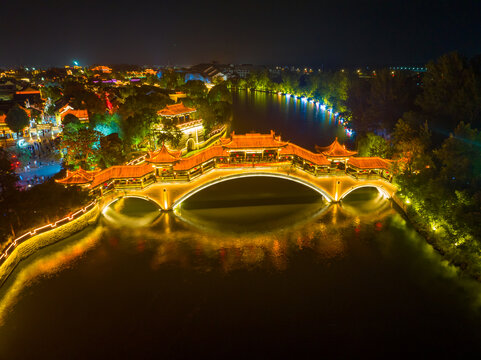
(200, 157)
(253, 140)
(292, 149)
(369, 163)
(335, 150)
(80, 114)
(175, 109)
(122, 172)
(163, 156)
(79, 176)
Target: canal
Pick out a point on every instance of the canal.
(255, 267)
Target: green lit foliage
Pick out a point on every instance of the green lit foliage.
(51, 92)
(36, 115)
(172, 79)
(107, 124)
(17, 119)
(70, 119)
(80, 146)
(218, 93)
(195, 89)
(170, 134)
(374, 145)
(411, 146)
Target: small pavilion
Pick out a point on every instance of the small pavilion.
(179, 112)
(79, 177)
(336, 153)
(182, 118)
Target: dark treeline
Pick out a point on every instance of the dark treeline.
(432, 131)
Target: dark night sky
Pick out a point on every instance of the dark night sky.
(335, 32)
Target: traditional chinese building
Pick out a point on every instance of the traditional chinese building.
(82, 115)
(336, 152)
(183, 118)
(102, 69)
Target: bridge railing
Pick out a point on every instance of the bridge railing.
(293, 163)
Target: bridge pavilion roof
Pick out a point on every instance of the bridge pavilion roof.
(292, 149)
(200, 157)
(122, 172)
(253, 140)
(369, 163)
(78, 177)
(335, 150)
(163, 156)
(175, 110)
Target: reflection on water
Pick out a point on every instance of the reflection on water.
(303, 123)
(278, 277)
(131, 212)
(58, 258)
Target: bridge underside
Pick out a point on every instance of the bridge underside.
(332, 188)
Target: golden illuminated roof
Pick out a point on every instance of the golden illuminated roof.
(292, 149)
(78, 177)
(175, 109)
(371, 163)
(122, 172)
(335, 150)
(253, 140)
(163, 156)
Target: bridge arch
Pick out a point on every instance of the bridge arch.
(195, 190)
(384, 192)
(122, 196)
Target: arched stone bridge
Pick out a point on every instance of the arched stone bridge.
(169, 195)
(168, 178)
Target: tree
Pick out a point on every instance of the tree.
(374, 145)
(411, 146)
(111, 150)
(17, 119)
(389, 98)
(8, 177)
(80, 145)
(195, 89)
(169, 133)
(70, 119)
(219, 92)
(460, 156)
(450, 93)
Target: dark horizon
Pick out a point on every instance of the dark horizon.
(345, 33)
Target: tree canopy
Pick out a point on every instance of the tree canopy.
(17, 119)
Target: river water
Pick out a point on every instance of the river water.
(255, 267)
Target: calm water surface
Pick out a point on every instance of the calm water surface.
(300, 122)
(250, 268)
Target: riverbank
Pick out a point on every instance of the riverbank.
(29, 243)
